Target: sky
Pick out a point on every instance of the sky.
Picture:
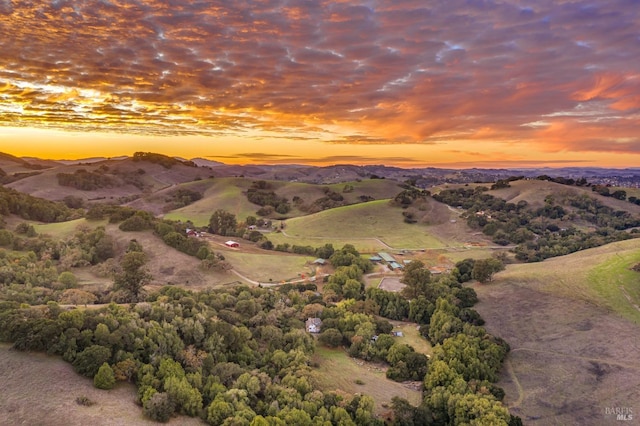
(411, 83)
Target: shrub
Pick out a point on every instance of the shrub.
(105, 378)
(67, 279)
(83, 400)
(331, 337)
(159, 407)
(6, 238)
(135, 223)
(88, 361)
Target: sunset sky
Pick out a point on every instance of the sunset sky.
(404, 82)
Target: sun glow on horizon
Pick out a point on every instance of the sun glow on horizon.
(403, 84)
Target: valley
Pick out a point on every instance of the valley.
(565, 297)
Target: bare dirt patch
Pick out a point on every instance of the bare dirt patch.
(41, 390)
(391, 284)
(571, 362)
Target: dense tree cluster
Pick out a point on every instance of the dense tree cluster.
(133, 276)
(87, 180)
(466, 359)
(543, 232)
(330, 200)
(37, 270)
(231, 357)
(139, 221)
(183, 197)
(241, 355)
(412, 200)
(32, 208)
(87, 247)
(163, 160)
(409, 196)
(459, 378)
(113, 212)
(324, 252)
(223, 223)
(262, 194)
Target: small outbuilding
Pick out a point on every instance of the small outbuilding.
(232, 244)
(395, 265)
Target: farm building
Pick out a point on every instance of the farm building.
(320, 261)
(232, 244)
(395, 265)
(313, 325)
(192, 233)
(386, 257)
(375, 259)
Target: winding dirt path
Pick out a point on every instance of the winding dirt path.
(516, 382)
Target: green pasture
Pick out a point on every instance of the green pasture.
(411, 336)
(266, 267)
(361, 225)
(67, 229)
(228, 194)
(224, 193)
(338, 372)
(363, 245)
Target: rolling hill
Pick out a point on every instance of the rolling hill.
(228, 193)
(572, 323)
(377, 225)
(535, 192)
(112, 180)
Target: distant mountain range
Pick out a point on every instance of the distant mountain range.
(15, 168)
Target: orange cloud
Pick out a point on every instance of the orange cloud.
(344, 72)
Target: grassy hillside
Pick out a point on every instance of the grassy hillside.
(11, 164)
(536, 191)
(268, 267)
(601, 276)
(351, 191)
(65, 230)
(221, 193)
(167, 265)
(572, 324)
(229, 194)
(129, 178)
(374, 224)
